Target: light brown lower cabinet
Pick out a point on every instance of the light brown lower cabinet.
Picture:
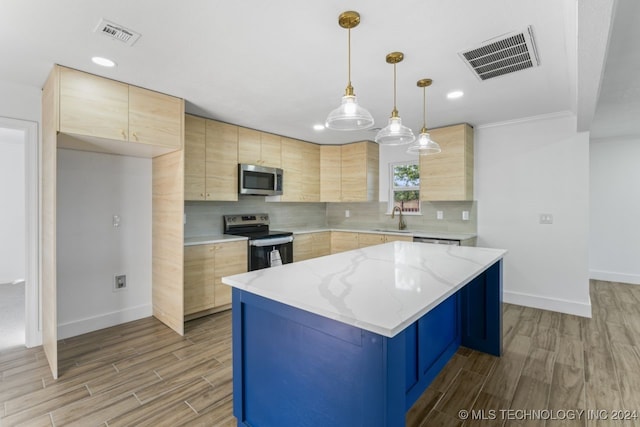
(311, 245)
(204, 268)
(342, 241)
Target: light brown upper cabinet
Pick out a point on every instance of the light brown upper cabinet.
(211, 160)
(259, 148)
(330, 173)
(93, 106)
(301, 165)
(349, 173)
(448, 175)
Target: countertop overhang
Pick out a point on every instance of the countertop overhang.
(382, 288)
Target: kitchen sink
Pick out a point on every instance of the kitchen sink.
(387, 230)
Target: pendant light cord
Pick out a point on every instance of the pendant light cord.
(424, 108)
(394, 88)
(349, 58)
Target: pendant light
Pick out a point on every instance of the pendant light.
(424, 145)
(349, 115)
(395, 133)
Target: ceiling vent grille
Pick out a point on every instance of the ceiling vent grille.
(502, 55)
(117, 32)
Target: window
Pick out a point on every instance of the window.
(405, 187)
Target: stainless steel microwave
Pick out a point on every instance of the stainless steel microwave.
(259, 180)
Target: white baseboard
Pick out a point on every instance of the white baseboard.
(551, 304)
(89, 324)
(612, 276)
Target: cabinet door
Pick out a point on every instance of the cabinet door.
(448, 175)
(370, 239)
(194, 158)
(302, 247)
(330, 173)
(343, 241)
(155, 118)
(249, 146)
(396, 238)
(199, 291)
(321, 244)
(271, 150)
(93, 106)
(221, 168)
(230, 259)
(311, 172)
(293, 166)
(360, 172)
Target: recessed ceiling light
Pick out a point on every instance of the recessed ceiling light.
(104, 62)
(455, 94)
(318, 127)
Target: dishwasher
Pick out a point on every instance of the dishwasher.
(436, 241)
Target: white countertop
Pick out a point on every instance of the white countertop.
(214, 238)
(382, 288)
(412, 233)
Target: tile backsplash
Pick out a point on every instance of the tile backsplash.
(205, 218)
(374, 215)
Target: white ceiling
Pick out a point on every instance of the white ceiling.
(280, 66)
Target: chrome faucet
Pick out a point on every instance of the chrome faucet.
(401, 224)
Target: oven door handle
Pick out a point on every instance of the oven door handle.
(271, 242)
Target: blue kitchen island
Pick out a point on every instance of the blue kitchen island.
(353, 339)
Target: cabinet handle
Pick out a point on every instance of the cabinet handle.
(208, 195)
(201, 194)
(124, 135)
(135, 135)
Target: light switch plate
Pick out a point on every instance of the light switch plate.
(439, 215)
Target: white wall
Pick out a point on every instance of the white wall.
(614, 242)
(12, 208)
(523, 169)
(20, 101)
(92, 188)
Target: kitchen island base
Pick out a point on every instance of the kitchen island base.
(295, 368)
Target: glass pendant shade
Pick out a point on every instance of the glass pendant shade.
(349, 116)
(395, 133)
(424, 145)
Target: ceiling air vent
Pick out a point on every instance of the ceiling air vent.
(117, 32)
(502, 55)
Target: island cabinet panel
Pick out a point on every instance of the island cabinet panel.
(292, 367)
(448, 175)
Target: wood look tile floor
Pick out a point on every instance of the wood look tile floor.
(143, 374)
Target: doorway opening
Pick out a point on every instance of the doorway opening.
(19, 227)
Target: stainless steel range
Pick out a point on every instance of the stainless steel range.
(267, 248)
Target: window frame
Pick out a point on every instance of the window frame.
(393, 188)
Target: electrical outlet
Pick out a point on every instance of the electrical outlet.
(465, 215)
(439, 215)
(120, 282)
(546, 219)
(347, 213)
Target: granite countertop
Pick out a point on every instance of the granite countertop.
(214, 238)
(382, 288)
